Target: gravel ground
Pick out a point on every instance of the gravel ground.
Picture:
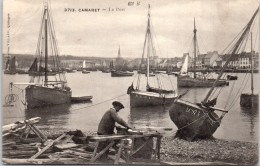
(210, 150)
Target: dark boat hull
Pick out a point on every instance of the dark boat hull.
(249, 100)
(192, 120)
(188, 82)
(32, 73)
(9, 72)
(144, 99)
(81, 99)
(121, 74)
(229, 77)
(38, 96)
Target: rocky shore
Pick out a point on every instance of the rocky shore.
(210, 150)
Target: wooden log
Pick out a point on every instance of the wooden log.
(19, 124)
(66, 146)
(94, 158)
(122, 143)
(40, 161)
(8, 143)
(20, 152)
(48, 146)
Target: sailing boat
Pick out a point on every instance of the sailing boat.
(118, 72)
(200, 120)
(46, 91)
(38, 70)
(152, 96)
(250, 100)
(84, 71)
(10, 67)
(185, 80)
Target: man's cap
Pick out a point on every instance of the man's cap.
(117, 103)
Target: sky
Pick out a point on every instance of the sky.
(99, 34)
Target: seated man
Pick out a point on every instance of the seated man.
(107, 124)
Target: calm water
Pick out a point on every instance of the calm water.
(239, 124)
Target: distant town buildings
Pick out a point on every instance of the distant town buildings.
(208, 60)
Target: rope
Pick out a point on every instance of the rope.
(99, 102)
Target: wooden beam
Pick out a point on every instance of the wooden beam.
(94, 158)
(48, 146)
(122, 143)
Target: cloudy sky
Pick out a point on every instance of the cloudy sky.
(100, 33)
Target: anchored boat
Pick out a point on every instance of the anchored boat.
(246, 99)
(200, 120)
(188, 81)
(151, 96)
(46, 91)
(120, 70)
(10, 67)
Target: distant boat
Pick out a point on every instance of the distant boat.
(118, 72)
(84, 64)
(151, 96)
(230, 77)
(250, 100)
(199, 120)
(20, 71)
(38, 70)
(105, 70)
(121, 74)
(85, 72)
(46, 91)
(187, 81)
(10, 67)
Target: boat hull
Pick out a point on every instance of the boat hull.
(32, 73)
(188, 82)
(249, 100)
(9, 72)
(144, 99)
(38, 96)
(230, 77)
(192, 120)
(121, 74)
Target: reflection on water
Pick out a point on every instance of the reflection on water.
(238, 124)
(148, 116)
(250, 116)
(50, 115)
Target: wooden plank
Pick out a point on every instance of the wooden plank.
(19, 124)
(66, 146)
(95, 150)
(122, 143)
(106, 137)
(48, 146)
(94, 158)
(38, 161)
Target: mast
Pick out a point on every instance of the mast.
(46, 45)
(195, 41)
(236, 48)
(252, 73)
(119, 52)
(148, 46)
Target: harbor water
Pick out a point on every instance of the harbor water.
(239, 124)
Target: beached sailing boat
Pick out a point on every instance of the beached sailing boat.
(246, 99)
(152, 96)
(199, 120)
(185, 80)
(10, 67)
(119, 72)
(46, 91)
